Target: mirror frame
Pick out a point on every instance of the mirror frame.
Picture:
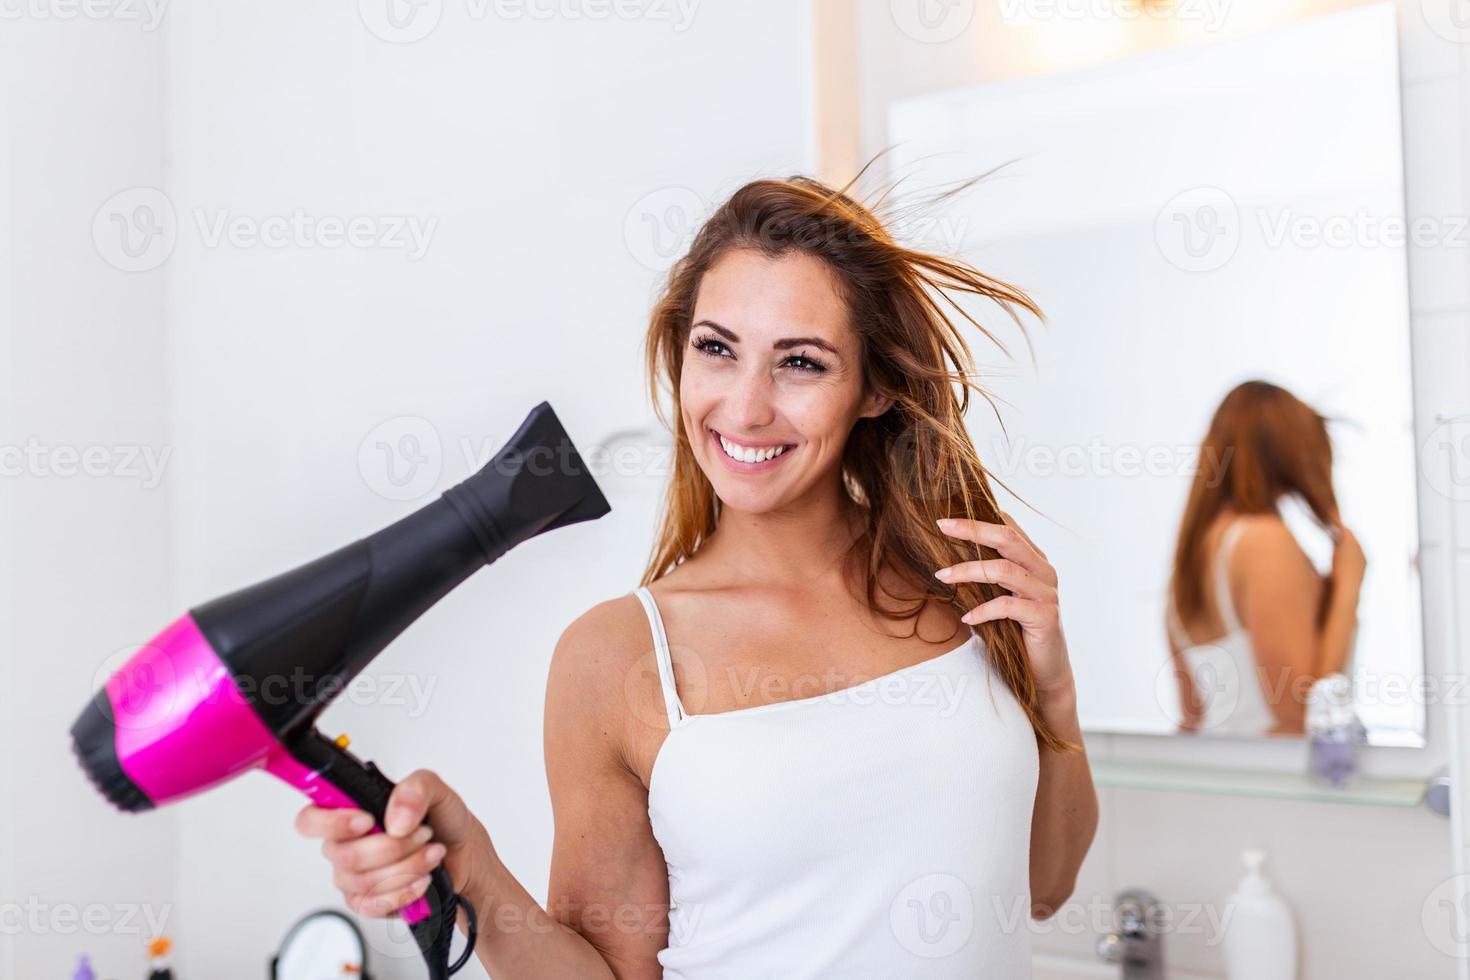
(302, 922)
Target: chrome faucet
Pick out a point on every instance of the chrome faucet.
(1136, 941)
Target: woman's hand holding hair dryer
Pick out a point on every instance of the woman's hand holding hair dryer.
(380, 873)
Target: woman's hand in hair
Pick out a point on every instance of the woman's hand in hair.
(1348, 561)
(1023, 571)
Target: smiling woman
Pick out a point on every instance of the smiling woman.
(823, 476)
(750, 771)
(851, 367)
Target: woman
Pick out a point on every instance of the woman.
(789, 754)
(1251, 624)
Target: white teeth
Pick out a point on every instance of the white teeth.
(748, 455)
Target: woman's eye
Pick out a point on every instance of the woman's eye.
(712, 347)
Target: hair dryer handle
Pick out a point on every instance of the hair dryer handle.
(431, 917)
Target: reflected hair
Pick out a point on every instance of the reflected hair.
(1263, 442)
(902, 470)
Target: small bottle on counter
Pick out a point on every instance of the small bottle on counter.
(1260, 940)
(158, 962)
(84, 969)
(1334, 731)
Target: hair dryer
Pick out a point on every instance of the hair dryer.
(236, 683)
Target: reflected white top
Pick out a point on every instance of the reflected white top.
(878, 831)
(1224, 670)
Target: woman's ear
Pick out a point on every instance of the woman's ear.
(875, 404)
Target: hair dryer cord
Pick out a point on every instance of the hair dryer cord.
(471, 933)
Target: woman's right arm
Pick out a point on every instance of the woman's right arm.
(607, 917)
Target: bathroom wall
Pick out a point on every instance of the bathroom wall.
(7, 563)
(1369, 885)
(84, 516)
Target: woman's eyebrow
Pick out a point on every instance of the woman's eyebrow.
(786, 343)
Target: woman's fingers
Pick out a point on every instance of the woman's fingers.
(336, 825)
(382, 881)
(1001, 571)
(1023, 571)
(420, 795)
(1011, 522)
(377, 905)
(376, 851)
(1004, 538)
(1038, 616)
(379, 873)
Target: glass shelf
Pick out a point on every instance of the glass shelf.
(1365, 790)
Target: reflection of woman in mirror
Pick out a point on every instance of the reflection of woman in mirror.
(1251, 623)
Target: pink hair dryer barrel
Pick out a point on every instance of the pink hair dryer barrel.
(237, 683)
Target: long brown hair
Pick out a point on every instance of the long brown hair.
(1263, 442)
(904, 469)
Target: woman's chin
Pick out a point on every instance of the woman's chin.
(737, 495)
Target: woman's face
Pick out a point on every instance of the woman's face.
(771, 385)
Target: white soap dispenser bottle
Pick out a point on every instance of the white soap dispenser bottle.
(1260, 938)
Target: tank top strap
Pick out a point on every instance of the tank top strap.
(672, 706)
(1223, 599)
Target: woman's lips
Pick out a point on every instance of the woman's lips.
(740, 465)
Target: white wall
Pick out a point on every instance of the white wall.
(535, 146)
(1359, 878)
(85, 570)
(8, 880)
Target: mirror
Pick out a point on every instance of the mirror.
(1216, 235)
(325, 945)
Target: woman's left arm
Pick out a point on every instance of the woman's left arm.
(1064, 818)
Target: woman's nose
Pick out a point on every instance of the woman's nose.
(752, 402)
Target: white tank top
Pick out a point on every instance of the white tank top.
(1224, 670)
(879, 831)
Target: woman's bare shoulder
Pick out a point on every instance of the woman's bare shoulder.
(1265, 531)
(596, 655)
(1268, 545)
(596, 692)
